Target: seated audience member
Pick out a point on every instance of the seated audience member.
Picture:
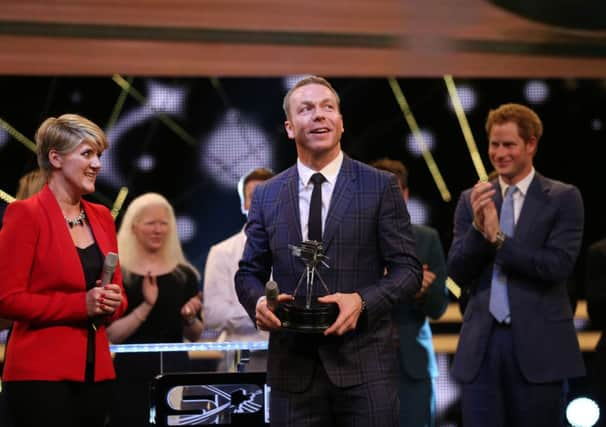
(418, 365)
(164, 304)
(222, 310)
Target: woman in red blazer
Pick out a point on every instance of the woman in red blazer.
(58, 369)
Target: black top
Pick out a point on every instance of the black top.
(163, 325)
(91, 259)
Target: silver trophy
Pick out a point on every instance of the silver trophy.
(305, 313)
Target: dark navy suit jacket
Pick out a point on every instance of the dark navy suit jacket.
(367, 230)
(538, 260)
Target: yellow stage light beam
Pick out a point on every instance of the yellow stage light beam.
(17, 135)
(412, 124)
(453, 287)
(170, 123)
(119, 104)
(119, 202)
(6, 197)
(467, 134)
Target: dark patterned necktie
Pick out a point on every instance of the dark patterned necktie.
(314, 226)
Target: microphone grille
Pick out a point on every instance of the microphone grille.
(271, 288)
(111, 259)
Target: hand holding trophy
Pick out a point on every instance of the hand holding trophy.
(305, 314)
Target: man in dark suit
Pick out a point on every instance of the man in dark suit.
(516, 240)
(595, 291)
(348, 374)
(418, 365)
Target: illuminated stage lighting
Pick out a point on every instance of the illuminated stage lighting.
(596, 124)
(417, 208)
(415, 147)
(582, 412)
(160, 99)
(468, 98)
(536, 92)
(146, 162)
(290, 81)
(236, 146)
(186, 228)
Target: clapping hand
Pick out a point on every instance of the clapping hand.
(191, 308)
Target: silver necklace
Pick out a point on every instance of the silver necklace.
(79, 220)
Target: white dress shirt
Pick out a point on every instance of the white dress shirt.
(222, 309)
(518, 196)
(330, 172)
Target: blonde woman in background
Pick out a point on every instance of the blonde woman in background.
(162, 288)
(29, 184)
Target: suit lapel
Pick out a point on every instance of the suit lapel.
(290, 197)
(533, 202)
(498, 196)
(62, 240)
(341, 197)
(95, 224)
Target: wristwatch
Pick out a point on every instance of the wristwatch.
(500, 239)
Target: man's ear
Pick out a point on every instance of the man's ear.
(289, 129)
(405, 194)
(531, 145)
(55, 159)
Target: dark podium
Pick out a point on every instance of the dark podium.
(216, 398)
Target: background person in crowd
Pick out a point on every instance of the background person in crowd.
(348, 374)
(58, 369)
(516, 240)
(595, 291)
(222, 310)
(164, 304)
(418, 365)
(29, 184)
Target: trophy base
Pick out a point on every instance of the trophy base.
(313, 320)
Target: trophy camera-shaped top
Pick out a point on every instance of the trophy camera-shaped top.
(311, 252)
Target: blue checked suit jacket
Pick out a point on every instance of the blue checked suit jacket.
(538, 260)
(367, 230)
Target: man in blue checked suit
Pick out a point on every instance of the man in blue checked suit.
(418, 367)
(348, 374)
(516, 240)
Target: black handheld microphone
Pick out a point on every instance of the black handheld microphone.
(109, 266)
(271, 294)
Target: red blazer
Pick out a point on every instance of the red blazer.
(42, 288)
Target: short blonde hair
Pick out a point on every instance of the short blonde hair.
(128, 245)
(63, 134)
(309, 80)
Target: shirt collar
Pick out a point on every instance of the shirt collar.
(522, 185)
(330, 171)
